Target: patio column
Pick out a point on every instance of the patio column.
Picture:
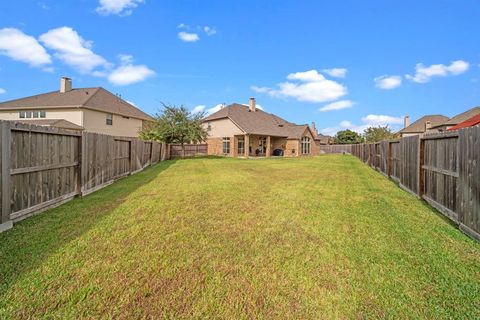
(246, 145)
(269, 151)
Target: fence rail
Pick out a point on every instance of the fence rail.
(43, 167)
(336, 148)
(442, 168)
(191, 150)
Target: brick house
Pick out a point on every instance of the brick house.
(245, 131)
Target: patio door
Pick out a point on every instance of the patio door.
(262, 145)
(241, 146)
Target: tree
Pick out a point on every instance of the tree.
(376, 134)
(348, 137)
(175, 125)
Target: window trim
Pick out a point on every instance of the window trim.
(305, 145)
(109, 119)
(241, 145)
(226, 145)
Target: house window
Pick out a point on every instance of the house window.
(32, 114)
(241, 145)
(109, 119)
(305, 145)
(226, 145)
(209, 126)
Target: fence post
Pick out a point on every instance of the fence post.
(5, 138)
(389, 158)
(421, 162)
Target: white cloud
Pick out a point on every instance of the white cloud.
(209, 30)
(72, 49)
(336, 72)
(214, 109)
(128, 73)
(307, 76)
(311, 86)
(260, 89)
(337, 105)
(2, 91)
(425, 74)
(388, 82)
(117, 7)
(371, 120)
(188, 37)
(198, 109)
(21, 47)
(381, 120)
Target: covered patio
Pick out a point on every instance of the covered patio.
(254, 145)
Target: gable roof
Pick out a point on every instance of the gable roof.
(462, 116)
(419, 125)
(97, 99)
(473, 121)
(259, 122)
(58, 123)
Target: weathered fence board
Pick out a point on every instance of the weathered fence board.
(469, 180)
(41, 167)
(439, 173)
(441, 168)
(191, 150)
(336, 148)
(409, 163)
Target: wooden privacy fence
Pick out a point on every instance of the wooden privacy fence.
(42, 166)
(443, 169)
(191, 150)
(336, 148)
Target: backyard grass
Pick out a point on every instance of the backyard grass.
(323, 237)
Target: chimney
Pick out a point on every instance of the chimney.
(314, 129)
(65, 84)
(428, 125)
(252, 105)
(406, 121)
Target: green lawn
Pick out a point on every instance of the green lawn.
(323, 237)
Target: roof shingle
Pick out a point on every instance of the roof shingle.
(90, 98)
(259, 122)
(419, 125)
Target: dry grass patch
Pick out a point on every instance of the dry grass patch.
(323, 237)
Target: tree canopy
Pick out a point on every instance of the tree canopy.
(348, 137)
(376, 134)
(175, 125)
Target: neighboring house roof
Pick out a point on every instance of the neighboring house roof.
(58, 123)
(97, 99)
(419, 125)
(323, 138)
(473, 121)
(259, 122)
(462, 117)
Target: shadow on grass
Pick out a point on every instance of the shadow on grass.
(33, 240)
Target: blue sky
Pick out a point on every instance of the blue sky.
(342, 64)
